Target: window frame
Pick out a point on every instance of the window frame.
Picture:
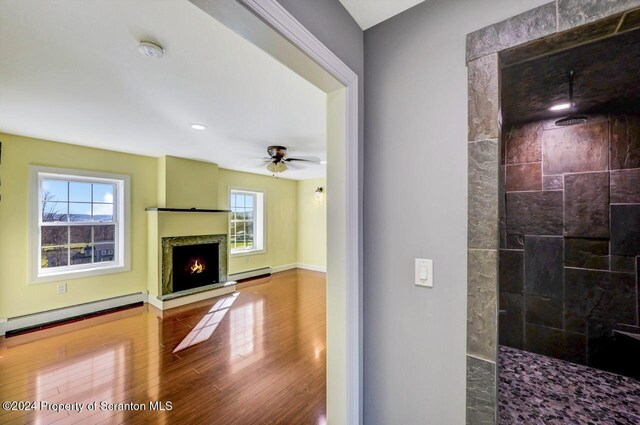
(122, 220)
(260, 229)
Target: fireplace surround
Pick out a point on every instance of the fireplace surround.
(191, 263)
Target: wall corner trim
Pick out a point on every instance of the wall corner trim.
(3, 325)
(284, 267)
(312, 267)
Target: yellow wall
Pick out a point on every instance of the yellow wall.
(154, 182)
(312, 224)
(17, 296)
(185, 183)
(281, 217)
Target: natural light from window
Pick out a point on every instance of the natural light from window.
(246, 229)
(79, 223)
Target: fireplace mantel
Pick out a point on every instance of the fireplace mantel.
(197, 224)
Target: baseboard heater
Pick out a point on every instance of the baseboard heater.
(265, 271)
(28, 322)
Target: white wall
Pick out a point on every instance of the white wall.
(415, 204)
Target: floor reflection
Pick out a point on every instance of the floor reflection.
(246, 337)
(257, 356)
(98, 376)
(208, 324)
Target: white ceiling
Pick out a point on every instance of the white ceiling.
(368, 13)
(70, 71)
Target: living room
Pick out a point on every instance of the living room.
(145, 177)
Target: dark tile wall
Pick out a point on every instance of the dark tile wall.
(570, 253)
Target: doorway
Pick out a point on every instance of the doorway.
(549, 29)
(270, 27)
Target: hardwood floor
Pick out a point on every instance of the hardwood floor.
(255, 357)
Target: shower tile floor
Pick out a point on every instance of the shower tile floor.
(535, 389)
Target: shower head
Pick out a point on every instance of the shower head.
(571, 119)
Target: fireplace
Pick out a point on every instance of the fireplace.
(192, 262)
(194, 266)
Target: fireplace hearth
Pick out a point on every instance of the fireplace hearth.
(191, 262)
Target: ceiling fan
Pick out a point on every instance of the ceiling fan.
(279, 162)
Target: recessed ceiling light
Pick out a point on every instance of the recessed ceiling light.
(560, 107)
(151, 49)
(198, 127)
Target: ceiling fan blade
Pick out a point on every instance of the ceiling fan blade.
(307, 159)
(295, 166)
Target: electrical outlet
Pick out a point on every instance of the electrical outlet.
(62, 288)
(245, 259)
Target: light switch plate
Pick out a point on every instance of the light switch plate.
(424, 273)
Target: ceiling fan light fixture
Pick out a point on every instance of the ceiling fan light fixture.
(278, 160)
(277, 167)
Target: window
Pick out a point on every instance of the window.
(246, 230)
(78, 224)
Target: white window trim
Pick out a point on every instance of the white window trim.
(123, 212)
(254, 251)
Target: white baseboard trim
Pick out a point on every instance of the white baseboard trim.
(37, 319)
(188, 299)
(279, 269)
(312, 267)
(250, 273)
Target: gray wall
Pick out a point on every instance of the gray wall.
(330, 22)
(415, 203)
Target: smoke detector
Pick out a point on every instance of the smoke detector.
(151, 49)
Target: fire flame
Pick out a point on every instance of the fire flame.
(197, 267)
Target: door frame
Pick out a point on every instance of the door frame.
(344, 341)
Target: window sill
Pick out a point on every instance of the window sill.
(77, 274)
(245, 253)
